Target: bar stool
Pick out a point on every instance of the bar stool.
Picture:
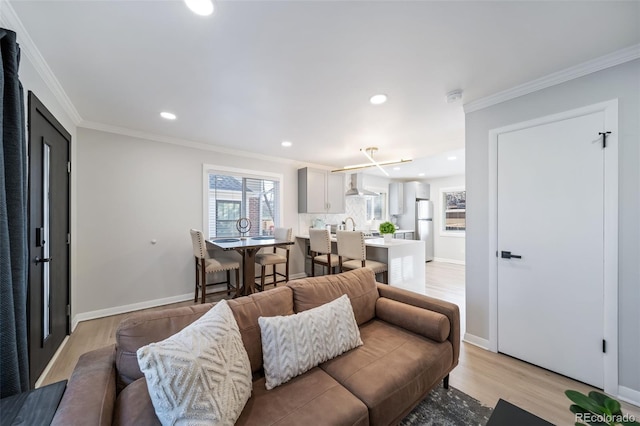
(320, 247)
(351, 246)
(206, 264)
(279, 256)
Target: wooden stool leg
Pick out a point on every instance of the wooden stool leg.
(385, 277)
(203, 280)
(286, 270)
(237, 282)
(263, 271)
(274, 276)
(228, 282)
(195, 297)
(313, 268)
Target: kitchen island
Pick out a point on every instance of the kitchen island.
(404, 259)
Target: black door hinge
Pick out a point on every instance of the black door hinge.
(604, 346)
(604, 138)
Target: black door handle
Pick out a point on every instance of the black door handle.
(508, 255)
(38, 260)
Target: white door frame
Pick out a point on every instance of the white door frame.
(610, 109)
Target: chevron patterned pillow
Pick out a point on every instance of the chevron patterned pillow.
(296, 343)
(201, 375)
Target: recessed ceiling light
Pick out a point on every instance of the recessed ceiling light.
(286, 144)
(453, 157)
(420, 174)
(200, 7)
(167, 115)
(378, 99)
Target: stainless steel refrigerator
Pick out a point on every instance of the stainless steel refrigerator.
(424, 226)
(417, 214)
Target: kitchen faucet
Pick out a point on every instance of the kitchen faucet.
(352, 221)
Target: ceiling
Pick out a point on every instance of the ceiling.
(256, 73)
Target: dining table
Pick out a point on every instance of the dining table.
(248, 247)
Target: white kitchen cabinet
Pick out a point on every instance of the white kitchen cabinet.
(335, 193)
(396, 198)
(320, 191)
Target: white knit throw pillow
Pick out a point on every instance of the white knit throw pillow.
(201, 375)
(294, 344)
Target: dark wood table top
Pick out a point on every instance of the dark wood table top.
(507, 414)
(35, 407)
(237, 243)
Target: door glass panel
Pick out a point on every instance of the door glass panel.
(46, 285)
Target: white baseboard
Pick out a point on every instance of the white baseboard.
(441, 259)
(50, 364)
(100, 313)
(629, 395)
(476, 341)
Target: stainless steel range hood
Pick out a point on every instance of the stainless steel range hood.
(356, 189)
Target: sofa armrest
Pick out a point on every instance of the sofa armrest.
(450, 310)
(91, 391)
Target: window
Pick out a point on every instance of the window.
(375, 207)
(227, 213)
(234, 194)
(454, 204)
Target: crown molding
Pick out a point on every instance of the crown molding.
(616, 58)
(11, 20)
(108, 128)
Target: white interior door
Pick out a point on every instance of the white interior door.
(551, 213)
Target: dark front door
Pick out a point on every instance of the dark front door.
(48, 295)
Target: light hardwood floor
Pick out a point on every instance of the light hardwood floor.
(484, 375)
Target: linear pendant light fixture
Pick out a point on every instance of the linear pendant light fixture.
(369, 153)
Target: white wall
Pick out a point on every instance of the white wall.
(446, 247)
(131, 191)
(620, 82)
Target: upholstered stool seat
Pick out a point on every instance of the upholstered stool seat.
(376, 267)
(270, 259)
(221, 263)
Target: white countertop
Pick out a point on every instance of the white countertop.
(378, 242)
(403, 231)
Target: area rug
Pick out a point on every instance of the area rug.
(448, 407)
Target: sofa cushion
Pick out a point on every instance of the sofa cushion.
(359, 285)
(310, 399)
(432, 325)
(143, 328)
(303, 400)
(392, 371)
(134, 406)
(294, 344)
(247, 310)
(200, 375)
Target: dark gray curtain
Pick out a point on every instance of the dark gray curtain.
(14, 362)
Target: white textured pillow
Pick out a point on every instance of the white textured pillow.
(201, 375)
(293, 344)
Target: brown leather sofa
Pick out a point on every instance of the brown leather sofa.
(411, 343)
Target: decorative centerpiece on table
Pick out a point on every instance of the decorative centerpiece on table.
(243, 225)
(387, 229)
